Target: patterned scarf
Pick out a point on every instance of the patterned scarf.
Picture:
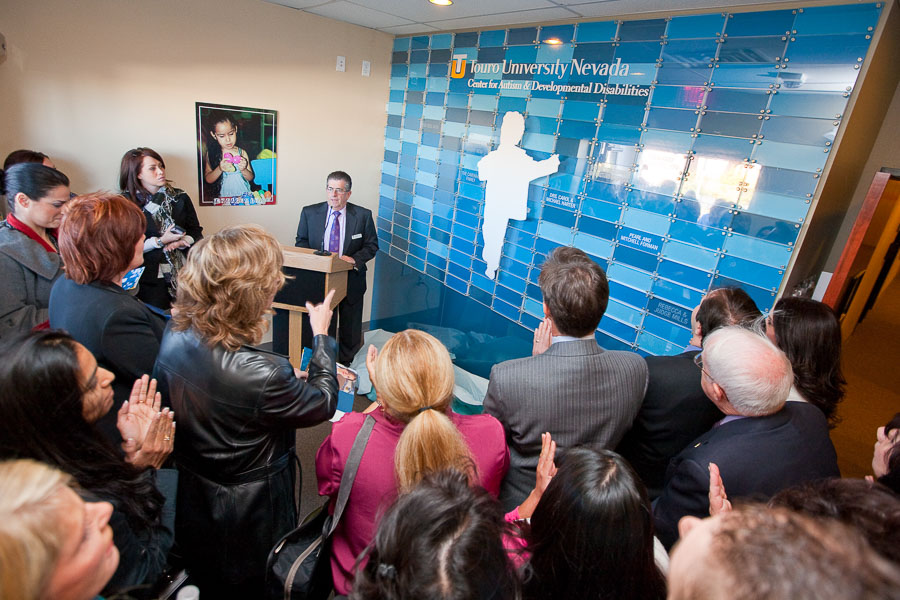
(165, 198)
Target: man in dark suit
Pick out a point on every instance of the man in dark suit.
(571, 387)
(761, 446)
(348, 230)
(675, 409)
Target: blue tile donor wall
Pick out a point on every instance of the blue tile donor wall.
(689, 151)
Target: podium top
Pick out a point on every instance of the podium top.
(305, 258)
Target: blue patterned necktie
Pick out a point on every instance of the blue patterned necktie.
(334, 240)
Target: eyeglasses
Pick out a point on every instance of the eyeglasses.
(698, 360)
(330, 189)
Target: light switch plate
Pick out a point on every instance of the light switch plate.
(366, 68)
(341, 64)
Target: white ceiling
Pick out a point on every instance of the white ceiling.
(404, 17)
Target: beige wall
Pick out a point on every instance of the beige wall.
(85, 81)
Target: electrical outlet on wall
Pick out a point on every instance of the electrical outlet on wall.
(341, 64)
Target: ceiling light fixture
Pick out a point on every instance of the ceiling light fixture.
(441, 2)
(553, 41)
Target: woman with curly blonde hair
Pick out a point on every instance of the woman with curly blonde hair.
(238, 407)
(415, 433)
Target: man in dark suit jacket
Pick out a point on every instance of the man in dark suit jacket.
(571, 387)
(675, 409)
(351, 234)
(762, 445)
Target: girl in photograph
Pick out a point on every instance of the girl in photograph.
(227, 166)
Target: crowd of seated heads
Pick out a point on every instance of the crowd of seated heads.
(886, 460)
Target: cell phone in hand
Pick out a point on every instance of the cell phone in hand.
(177, 230)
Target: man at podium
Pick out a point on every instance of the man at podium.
(349, 231)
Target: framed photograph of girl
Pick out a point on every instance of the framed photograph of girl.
(236, 155)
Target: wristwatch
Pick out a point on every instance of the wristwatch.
(158, 243)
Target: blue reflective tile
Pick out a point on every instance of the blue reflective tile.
(860, 18)
(400, 220)
(520, 254)
(509, 103)
(464, 218)
(483, 103)
(490, 55)
(690, 255)
(416, 263)
(767, 253)
(787, 208)
(718, 147)
(574, 110)
(800, 158)
(400, 243)
(400, 57)
(558, 216)
(417, 83)
(480, 296)
(418, 240)
(673, 74)
(780, 232)
(445, 197)
(463, 246)
(420, 41)
(435, 272)
(670, 96)
(596, 32)
(421, 215)
(787, 181)
(434, 113)
(458, 271)
(600, 248)
(397, 253)
(439, 66)
(468, 190)
(764, 299)
(482, 282)
(797, 130)
(542, 125)
(529, 226)
(466, 233)
(431, 139)
(508, 295)
(533, 307)
(441, 223)
(582, 130)
(624, 313)
(520, 238)
(401, 43)
(658, 346)
(741, 101)
(750, 272)
(597, 227)
(684, 275)
(667, 141)
(460, 258)
(731, 124)
(437, 252)
(534, 291)
(556, 233)
(678, 294)
(384, 238)
(529, 322)
(639, 240)
(435, 99)
(675, 119)
(437, 84)
(441, 40)
(629, 276)
(418, 70)
(825, 105)
(457, 101)
(623, 114)
(646, 221)
(487, 39)
(507, 310)
(635, 258)
(468, 39)
(544, 246)
(827, 49)
(690, 53)
(666, 329)
(398, 71)
(626, 294)
(699, 26)
(521, 36)
(619, 134)
(421, 228)
(439, 236)
(609, 193)
(608, 342)
(659, 204)
(617, 329)
(770, 22)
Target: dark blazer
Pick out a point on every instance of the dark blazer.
(237, 417)
(153, 289)
(675, 411)
(576, 390)
(360, 241)
(757, 457)
(119, 330)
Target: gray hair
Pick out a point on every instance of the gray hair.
(754, 373)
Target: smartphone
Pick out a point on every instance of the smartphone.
(177, 230)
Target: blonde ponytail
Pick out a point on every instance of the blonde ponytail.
(415, 384)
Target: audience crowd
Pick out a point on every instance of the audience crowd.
(119, 319)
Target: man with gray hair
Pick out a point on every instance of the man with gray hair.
(763, 444)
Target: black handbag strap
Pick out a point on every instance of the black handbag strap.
(356, 452)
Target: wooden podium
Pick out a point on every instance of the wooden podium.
(313, 276)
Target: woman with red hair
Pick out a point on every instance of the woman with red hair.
(101, 239)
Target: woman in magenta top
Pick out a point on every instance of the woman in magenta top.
(415, 433)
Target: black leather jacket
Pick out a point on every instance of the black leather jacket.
(236, 414)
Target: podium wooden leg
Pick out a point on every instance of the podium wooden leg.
(295, 335)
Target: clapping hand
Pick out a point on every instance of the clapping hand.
(546, 470)
(148, 434)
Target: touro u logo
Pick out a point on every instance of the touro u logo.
(458, 66)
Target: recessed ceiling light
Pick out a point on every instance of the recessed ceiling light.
(553, 41)
(441, 2)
